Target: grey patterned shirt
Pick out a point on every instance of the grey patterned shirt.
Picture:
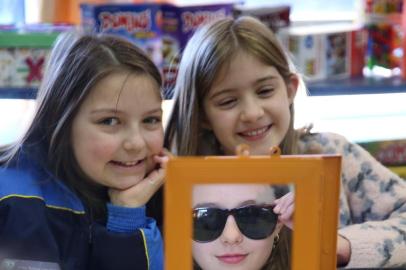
(372, 203)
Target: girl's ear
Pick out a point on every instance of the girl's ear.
(292, 87)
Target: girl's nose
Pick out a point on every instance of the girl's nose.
(252, 111)
(133, 141)
(231, 234)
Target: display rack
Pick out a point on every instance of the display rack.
(354, 86)
(18, 93)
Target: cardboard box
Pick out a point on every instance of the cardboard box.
(274, 16)
(161, 30)
(326, 51)
(389, 153)
(23, 55)
(179, 24)
(139, 23)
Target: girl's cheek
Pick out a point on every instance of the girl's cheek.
(156, 142)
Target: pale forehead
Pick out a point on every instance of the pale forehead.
(243, 70)
(231, 195)
(123, 87)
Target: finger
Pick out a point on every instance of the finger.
(161, 160)
(288, 213)
(156, 177)
(285, 201)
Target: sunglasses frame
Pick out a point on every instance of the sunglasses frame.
(316, 179)
(234, 212)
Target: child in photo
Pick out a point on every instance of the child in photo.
(235, 227)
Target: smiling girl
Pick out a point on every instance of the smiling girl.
(73, 190)
(235, 86)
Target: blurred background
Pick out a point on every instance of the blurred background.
(350, 54)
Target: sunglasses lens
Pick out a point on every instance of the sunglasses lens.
(208, 224)
(256, 222)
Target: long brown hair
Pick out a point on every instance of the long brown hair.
(77, 62)
(208, 51)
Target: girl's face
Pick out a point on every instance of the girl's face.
(118, 129)
(232, 250)
(249, 104)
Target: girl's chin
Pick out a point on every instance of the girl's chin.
(127, 184)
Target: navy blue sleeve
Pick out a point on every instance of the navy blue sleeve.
(129, 241)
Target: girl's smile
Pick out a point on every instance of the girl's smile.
(255, 134)
(232, 258)
(129, 166)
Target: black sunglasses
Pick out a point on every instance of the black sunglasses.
(254, 221)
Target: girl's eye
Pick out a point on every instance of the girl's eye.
(152, 120)
(110, 121)
(265, 92)
(226, 103)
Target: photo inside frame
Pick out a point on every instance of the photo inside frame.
(235, 225)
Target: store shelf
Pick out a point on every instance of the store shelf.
(355, 86)
(360, 118)
(18, 93)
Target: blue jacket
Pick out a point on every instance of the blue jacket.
(42, 222)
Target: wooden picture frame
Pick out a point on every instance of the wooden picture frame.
(316, 179)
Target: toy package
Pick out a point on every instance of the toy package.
(161, 30)
(383, 7)
(326, 51)
(179, 24)
(274, 16)
(383, 21)
(390, 153)
(141, 24)
(23, 54)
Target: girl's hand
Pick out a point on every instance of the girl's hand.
(140, 193)
(284, 207)
(343, 251)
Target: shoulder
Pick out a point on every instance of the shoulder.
(27, 183)
(18, 182)
(323, 143)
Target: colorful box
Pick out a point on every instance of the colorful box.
(274, 16)
(162, 30)
(23, 55)
(141, 24)
(383, 20)
(179, 24)
(389, 153)
(326, 51)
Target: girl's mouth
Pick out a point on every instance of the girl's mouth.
(255, 134)
(127, 164)
(232, 258)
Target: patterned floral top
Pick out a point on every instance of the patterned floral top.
(372, 203)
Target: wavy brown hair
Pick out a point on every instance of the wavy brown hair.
(210, 50)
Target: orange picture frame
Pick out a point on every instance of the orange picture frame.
(316, 179)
